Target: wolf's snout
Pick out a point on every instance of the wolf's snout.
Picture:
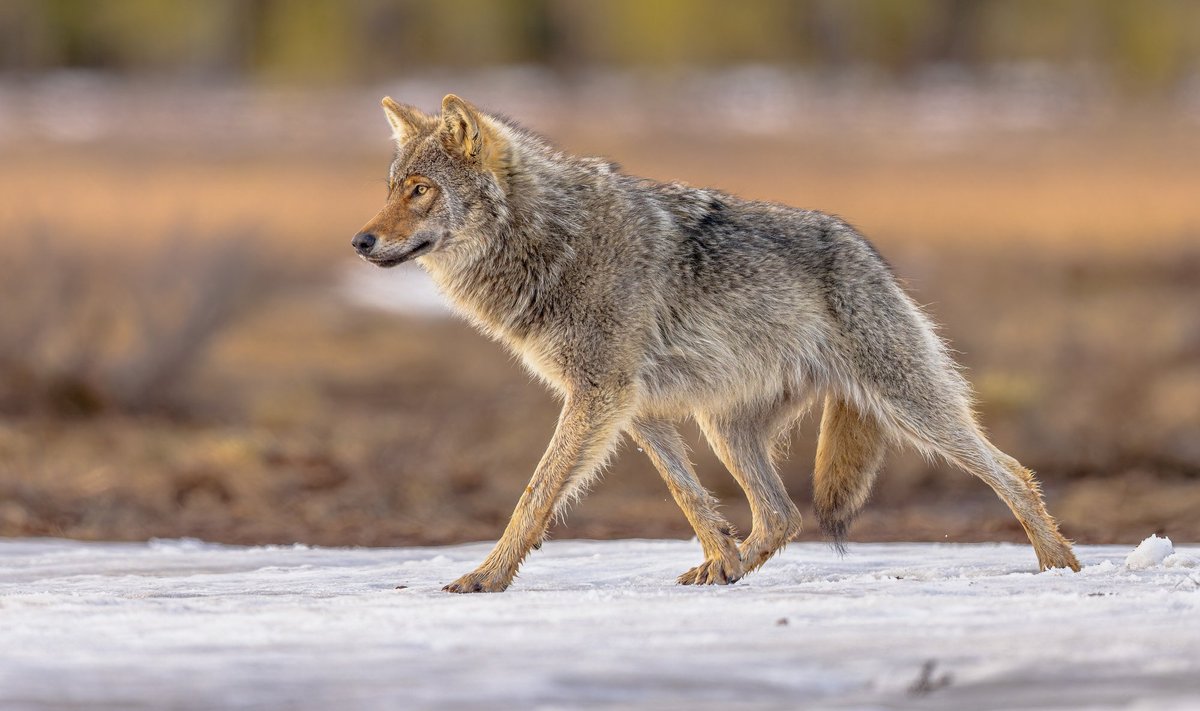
(363, 243)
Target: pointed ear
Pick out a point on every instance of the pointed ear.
(463, 128)
(472, 134)
(406, 121)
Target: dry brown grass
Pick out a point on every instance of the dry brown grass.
(88, 333)
(1065, 269)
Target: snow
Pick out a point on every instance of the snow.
(1178, 560)
(592, 624)
(1149, 553)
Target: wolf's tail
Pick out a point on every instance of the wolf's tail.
(850, 452)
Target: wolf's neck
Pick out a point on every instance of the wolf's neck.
(507, 288)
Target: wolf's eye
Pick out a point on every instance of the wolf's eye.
(420, 190)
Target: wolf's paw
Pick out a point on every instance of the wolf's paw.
(756, 551)
(754, 554)
(1058, 557)
(768, 539)
(478, 581)
(713, 572)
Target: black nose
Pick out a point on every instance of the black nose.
(363, 242)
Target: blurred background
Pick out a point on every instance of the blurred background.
(189, 348)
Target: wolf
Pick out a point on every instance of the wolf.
(642, 303)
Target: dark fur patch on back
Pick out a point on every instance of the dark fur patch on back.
(713, 217)
(703, 233)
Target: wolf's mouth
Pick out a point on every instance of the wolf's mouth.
(420, 248)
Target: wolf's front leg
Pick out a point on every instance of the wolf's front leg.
(586, 431)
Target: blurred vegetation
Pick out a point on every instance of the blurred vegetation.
(1148, 45)
(88, 334)
(180, 353)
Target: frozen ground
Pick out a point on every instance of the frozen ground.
(181, 624)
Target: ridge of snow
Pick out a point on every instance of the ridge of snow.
(1149, 553)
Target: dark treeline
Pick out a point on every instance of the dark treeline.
(1139, 44)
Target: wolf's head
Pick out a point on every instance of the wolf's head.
(446, 184)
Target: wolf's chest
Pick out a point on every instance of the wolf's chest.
(542, 358)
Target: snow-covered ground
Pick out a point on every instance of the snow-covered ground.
(187, 625)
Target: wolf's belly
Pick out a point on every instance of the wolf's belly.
(715, 375)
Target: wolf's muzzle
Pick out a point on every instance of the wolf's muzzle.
(363, 243)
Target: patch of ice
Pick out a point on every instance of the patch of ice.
(1149, 553)
(176, 545)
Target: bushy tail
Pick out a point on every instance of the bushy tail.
(850, 452)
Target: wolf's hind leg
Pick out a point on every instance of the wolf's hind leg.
(741, 441)
(1019, 489)
(722, 562)
(850, 451)
(946, 426)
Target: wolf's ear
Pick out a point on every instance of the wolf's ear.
(464, 128)
(405, 120)
(475, 136)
